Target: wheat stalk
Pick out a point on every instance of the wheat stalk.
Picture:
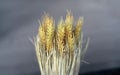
(59, 50)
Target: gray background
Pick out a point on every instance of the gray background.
(19, 21)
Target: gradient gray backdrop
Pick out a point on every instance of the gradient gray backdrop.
(19, 21)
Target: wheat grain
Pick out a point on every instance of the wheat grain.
(60, 36)
(78, 29)
(69, 28)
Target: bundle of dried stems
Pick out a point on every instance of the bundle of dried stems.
(59, 48)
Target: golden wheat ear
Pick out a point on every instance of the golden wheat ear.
(59, 50)
(78, 29)
(60, 36)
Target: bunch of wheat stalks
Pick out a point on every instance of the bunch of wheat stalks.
(58, 48)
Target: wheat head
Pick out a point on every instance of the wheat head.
(58, 50)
